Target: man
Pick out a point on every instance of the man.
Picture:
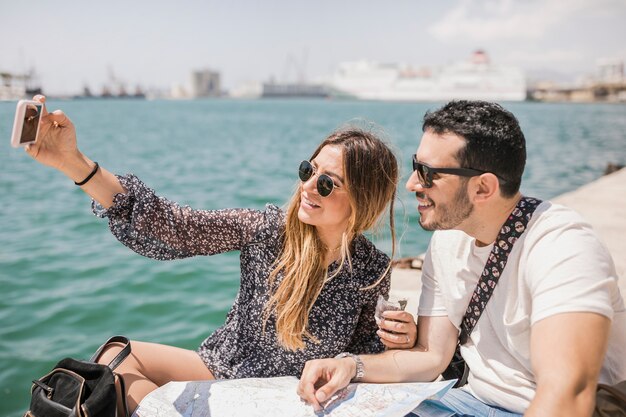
(555, 324)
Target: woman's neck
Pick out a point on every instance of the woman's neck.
(332, 255)
(330, 241)
(332, 247)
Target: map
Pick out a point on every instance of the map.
(277, 397)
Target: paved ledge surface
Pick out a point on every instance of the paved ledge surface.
(602, 203)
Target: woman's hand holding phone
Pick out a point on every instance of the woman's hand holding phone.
(56, 144)
(56, 147)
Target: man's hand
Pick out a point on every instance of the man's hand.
(321, 378)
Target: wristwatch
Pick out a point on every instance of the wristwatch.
(360, 368)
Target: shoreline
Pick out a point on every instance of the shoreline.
(601, 202)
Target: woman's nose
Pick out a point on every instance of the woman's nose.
(311, 184)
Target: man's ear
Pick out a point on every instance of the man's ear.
(485, 187)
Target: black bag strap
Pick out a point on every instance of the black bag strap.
(123, 391)
(511, 230)
(120, 356)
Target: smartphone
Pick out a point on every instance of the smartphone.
(26, 125)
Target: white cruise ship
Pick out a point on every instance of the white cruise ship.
(474, 79)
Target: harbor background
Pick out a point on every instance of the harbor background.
(409, 50)
(67, 284)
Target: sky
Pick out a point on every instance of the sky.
(156, 44)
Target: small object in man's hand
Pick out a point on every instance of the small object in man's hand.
(391, 303)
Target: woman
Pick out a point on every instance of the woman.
(309, 278)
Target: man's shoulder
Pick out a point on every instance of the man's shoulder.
(557, 210)
(553, 216)
(557, 232)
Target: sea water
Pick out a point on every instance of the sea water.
(66, 283)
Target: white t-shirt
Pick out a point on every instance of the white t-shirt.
(558, 265)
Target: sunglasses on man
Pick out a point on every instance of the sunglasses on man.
(325, 184)
(425, 172)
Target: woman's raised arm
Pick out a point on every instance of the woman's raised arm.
(56, 147)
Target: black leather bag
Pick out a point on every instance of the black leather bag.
(610, 400)
(77, 388)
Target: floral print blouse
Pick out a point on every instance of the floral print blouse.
(342, 318)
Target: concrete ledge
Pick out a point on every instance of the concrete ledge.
(602, 203)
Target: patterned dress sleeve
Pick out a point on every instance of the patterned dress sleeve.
(161, 229)
(365, 339)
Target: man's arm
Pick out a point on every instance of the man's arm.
(567, 351)
(436, 342)
(435, 346)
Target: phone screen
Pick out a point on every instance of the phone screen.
(32, 115)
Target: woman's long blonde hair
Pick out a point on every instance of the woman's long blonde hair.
(371, 177)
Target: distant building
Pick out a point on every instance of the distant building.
(17, 86)
(205, 83)
(610, 71)
(296, 90)
(607, 86)
(178, 92)
(247, 90)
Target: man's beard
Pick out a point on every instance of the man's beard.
(448, 216)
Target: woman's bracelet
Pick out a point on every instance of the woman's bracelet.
(90, 176)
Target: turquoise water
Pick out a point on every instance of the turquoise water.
(67, 284)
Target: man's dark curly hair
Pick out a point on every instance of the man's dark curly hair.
(494, 139)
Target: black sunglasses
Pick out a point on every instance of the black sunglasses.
(425, 172)
(325, 184)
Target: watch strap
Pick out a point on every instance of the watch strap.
(360, 368)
